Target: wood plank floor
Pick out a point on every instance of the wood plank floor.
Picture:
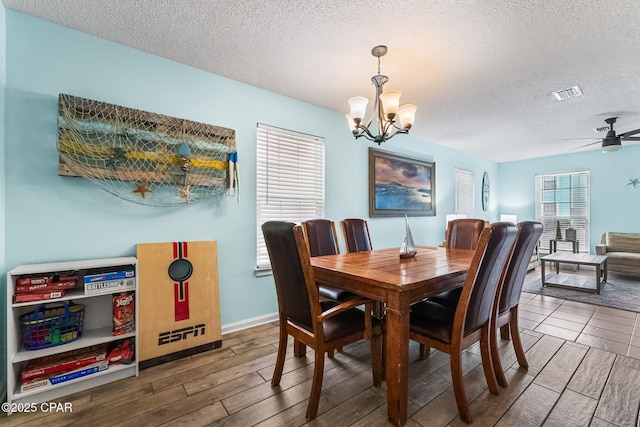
(568, 383)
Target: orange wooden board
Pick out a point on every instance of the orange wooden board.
(179, 303)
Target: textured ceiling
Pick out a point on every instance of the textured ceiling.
(480, 71)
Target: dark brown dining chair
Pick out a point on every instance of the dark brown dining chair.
(357, 239)
(356, 235)
(529, 233)
(464, 233)
(453, 329)
(322, 238)
(322, 326)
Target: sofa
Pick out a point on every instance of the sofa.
(622, 251)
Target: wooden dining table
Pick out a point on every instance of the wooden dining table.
(383, 276)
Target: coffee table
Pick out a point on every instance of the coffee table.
(573, 281)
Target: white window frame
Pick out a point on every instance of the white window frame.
(465, 190)
(576, 212)
(289, 181)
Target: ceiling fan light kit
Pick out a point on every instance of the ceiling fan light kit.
(608, 147)
(390, 117)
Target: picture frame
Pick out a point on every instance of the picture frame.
(401, 185)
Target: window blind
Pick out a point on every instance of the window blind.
(465, 192)
(563, 197)
(290, 180)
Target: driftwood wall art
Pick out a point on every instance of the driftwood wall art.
(144, 157)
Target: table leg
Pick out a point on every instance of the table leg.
(598, 277)
(397, 363)
(542, 273)
(605, 270)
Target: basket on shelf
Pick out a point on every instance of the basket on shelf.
(52, 324)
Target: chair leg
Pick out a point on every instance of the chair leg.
(299, 349)
(424, 351)
(517, 342)
(504, 332)
(495, 358)
(316, 386)
(376, 357)
(455, 358)
(282, 351)
(487, 365)
(330, 353)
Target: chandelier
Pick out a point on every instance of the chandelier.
(390, 117)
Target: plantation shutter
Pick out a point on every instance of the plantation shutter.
(290, 181)
(464, 192)
(564, 197)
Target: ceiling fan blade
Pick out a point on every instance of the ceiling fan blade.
(630, 133)
(582, 146)
(631, 138)
(575, 139)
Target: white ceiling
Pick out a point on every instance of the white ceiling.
(480, 71)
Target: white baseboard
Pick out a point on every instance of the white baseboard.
(249, 323)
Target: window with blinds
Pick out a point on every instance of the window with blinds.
(290, 181)
(564, 198)
(465, 191)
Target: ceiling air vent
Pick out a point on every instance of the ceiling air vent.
(570, 92)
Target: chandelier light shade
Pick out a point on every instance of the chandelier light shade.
(358, 107)
(390, 103)
(388, 117)
(406, 115)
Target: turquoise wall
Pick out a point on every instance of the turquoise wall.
(3, 314)
(53, 218)
(614, 204)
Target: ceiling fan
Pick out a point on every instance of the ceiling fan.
(612, 142)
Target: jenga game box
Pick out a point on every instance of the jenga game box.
(124, 313)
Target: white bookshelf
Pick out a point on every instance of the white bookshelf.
(97, 329)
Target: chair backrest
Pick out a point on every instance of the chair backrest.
(298, 299)
(477, 300)
(464, 233)
(356, 235)
(529, 233)
(321, 237)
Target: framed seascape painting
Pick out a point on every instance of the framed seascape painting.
(400, 185)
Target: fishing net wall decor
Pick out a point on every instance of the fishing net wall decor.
(143, 157)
